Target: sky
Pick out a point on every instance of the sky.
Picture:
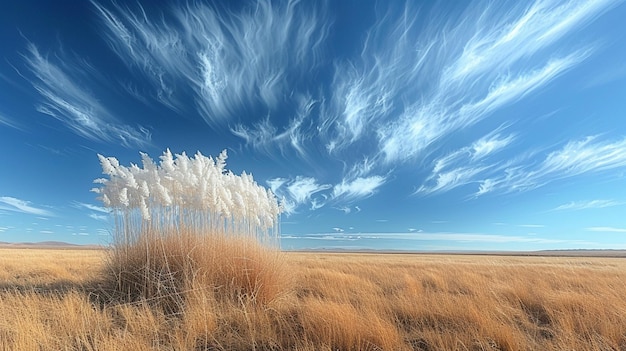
(396, 125)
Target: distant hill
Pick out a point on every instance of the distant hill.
(47, 245)
(545, 253)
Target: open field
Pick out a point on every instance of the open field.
(55, 300)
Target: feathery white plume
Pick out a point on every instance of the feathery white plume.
(180, 192)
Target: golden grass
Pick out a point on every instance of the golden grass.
(168, 271)
(57, 300)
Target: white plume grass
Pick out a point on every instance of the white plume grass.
(187, 224)
(192, 194)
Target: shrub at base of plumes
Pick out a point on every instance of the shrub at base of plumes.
(166, 271)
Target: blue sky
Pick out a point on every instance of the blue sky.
(393, 125)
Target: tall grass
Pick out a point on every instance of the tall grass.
(167, 270)
(187, 225)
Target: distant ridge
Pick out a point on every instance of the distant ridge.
(544, 253)
(47, 245)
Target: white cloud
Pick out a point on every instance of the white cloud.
(446, 181)
(519, 33)
(9, 122)
(91, 207)
(17, 205)
(70, 102)
(489, 144)
(264, 137)
(444, 236)
(465, 165)
(417, 83)
(423, 124)
(356, 189)
(589, 204)
(531, 225)
(298, 191)
(307, 190)
(413, 82)
(344, 209)
(607, 229)
(99, 217)
(276, 183)
(578, 157)
(302, 188)
(229, 60)
(419, 77)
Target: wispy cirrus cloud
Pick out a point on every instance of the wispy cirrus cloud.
(421, 124)
(302, 188)
(465, 165)
(419, 78)
(415, 86)
(477, 151)
(70, 102)
(98, 213)
(588, 204)
(356, 189)
(439, 236)
(9, 122)
(450, 179)
(296, 192)
(518, 33)
(296, 137)
(578, 157)
(17, 205)
(308, 191)
(607, 229)
(91, 207)
(231, 61)
(99, 217)
(531, 225)
(468, 165)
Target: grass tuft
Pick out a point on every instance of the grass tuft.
(168, 271)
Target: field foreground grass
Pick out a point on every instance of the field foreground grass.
(55, 300)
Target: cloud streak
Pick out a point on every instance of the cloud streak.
(589, 204)
(412, 83)
(411, 86)
(297, 192)
(606, 229)
(462, 166)
(358, 188)
(578, 157)
(231, 61)
(307, 191)
(68, 101)
(9, 122)
(419, 78)
(16, 205)
(432, 236)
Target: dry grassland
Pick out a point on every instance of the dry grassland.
(57, 300)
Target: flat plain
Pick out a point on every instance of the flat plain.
(55, 299)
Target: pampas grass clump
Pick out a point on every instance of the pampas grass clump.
(187, 225)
